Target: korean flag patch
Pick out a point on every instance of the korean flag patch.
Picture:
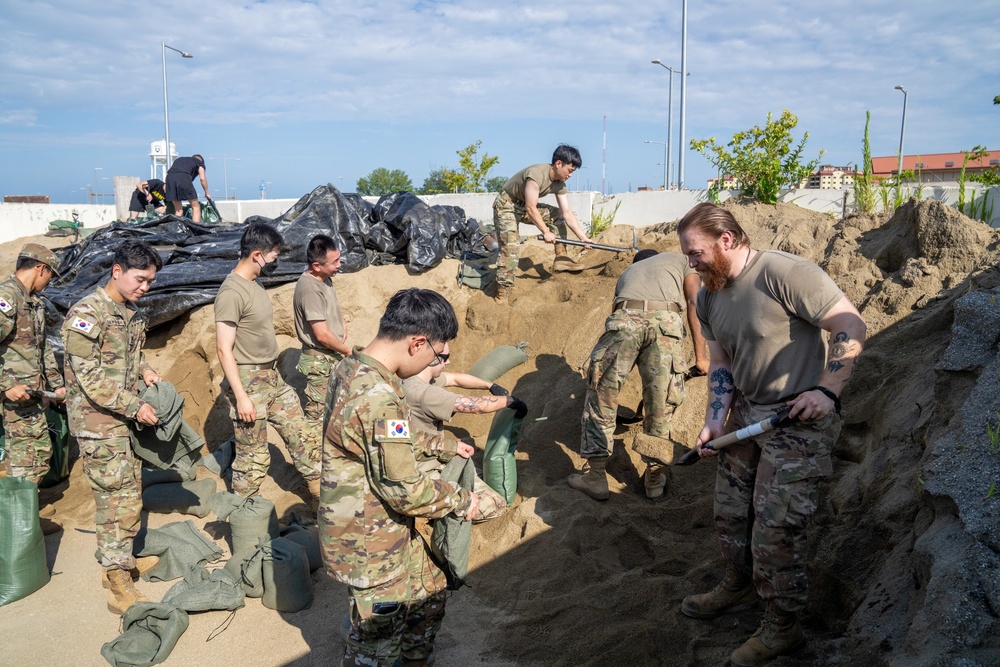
(397, 429)
(5, 306)
(80, 324)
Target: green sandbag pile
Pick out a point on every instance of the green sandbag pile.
(23, 568)
(278, 573)
(183, 497)
(499, 465)
(308, 538)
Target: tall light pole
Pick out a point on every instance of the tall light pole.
(666, 156)
(225, 173)
(95, 191)
(166, 115)
(670, 121)
(684, 50)
(902, 131)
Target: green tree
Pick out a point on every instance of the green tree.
(996, 100)
(383, 181)
(438, 182)
(761, 159)
(474, 170)
(496, 183)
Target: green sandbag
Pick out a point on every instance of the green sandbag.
(204, 590)
(23, 568)
(151, 476)
(477, 271)
(248, 572)
(452, 537)
(499, 466)
(180, 546)
(59, 435)
(308, 538)
(287, 584)
(249, 522)
(185, 497)
(498, 361)
(151, 630)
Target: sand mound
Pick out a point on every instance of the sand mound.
(904, 551)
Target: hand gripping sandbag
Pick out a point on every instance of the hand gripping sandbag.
(185, 497)
(23, 568)
(498, 361)
(287, 584)
(499, 465)
(151, 630)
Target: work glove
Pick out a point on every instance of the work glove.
(519, 407)
(497, 390)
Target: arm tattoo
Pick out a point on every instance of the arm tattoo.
(475, 405)
(722, 383)
(839, 349)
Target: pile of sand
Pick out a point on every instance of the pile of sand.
(903, 552)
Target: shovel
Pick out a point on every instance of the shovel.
(585, 244)
(780, 418)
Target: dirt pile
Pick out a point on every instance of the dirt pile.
(904, 551)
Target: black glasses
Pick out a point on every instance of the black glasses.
(439, 359)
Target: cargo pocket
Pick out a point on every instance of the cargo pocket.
(794, 494)
(397, 460)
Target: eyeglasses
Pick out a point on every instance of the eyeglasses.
(440, 358)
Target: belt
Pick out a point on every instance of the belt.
(636, 304)
(317, 352)
(269, 366)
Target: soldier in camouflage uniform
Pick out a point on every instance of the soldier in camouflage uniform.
(248, 352)
(27, 363)
(518, 202)
(645, 330)
(763, 314)
(373, 490)
(105, 371)
(319, 324)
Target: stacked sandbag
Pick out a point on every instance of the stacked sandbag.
(183, 497)
(23, 568)
(498, 361)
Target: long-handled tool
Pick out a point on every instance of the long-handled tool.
(585, 244)
(779, 418)
(38, 394)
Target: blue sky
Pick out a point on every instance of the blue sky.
(306, 93)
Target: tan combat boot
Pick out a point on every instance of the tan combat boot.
(143, 564)
(122, 593)
(735, 593)
(655, 480)
(504, 295)
(314, 486)
(779, 633)
(593, 478)
(564, 262)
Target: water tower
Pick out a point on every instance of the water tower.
(158, 158)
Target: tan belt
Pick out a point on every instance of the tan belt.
(314, 352)
(269, 366)
(635, 304)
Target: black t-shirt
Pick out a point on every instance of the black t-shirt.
(157, 189)
(186, 165)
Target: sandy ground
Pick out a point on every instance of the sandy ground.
(564, 580)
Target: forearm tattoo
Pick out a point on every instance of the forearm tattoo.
(474, 404)
(722, 383)
(838, 351)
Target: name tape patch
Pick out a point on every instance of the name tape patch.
(83, 325)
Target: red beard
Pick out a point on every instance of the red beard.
(715, 274)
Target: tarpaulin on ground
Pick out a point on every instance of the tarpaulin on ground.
(400, 228)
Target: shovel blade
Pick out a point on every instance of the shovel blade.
(690, 457)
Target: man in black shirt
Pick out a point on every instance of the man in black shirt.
(180, 184)
(148, 192)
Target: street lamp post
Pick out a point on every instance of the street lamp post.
(95, 191)
(225, 173)
(684, 48)
(902, 131)
(666, 157)
(166, 115)
(670, 120)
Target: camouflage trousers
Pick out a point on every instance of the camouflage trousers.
(653, 341)
(317, 368)
(28, 445)
(507, 214)
(766, 491)
(115, 475)
(399, 619)
(277, 403)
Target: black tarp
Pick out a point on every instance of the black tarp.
(400, 228)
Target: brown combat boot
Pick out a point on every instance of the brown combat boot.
(735, 593)
(143, 564)
(655, 480)
(122, 593)
(592, 479)
(779, 633)
(564, 261)
(504, 294)
(314, 486)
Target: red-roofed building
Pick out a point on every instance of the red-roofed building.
(935, 168)
(829, 177)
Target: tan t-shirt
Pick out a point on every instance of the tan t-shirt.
(246, 304)
(429, 404)
(658, 278)
(315, 300)
(539, 173)
(766, 321)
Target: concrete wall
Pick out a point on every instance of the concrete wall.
(18, 220)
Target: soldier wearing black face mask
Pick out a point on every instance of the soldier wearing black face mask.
(248, 352)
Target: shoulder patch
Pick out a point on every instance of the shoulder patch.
(397, 429)
(82, 325)
(6, 306)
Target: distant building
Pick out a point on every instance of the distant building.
(25, 199)
(829, 177)
(935, 168)
(728, 182)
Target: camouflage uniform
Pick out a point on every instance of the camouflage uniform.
(652, 340)
(316, 365)
(779, 473)
(26, 360)
(104, 370)
(275, 402)
(507, 214)
(371, 492)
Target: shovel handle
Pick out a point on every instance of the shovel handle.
(763, 426)
(585, 244)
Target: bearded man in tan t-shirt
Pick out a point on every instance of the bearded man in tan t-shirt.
(764, 314)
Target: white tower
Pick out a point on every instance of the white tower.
(158, 158)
